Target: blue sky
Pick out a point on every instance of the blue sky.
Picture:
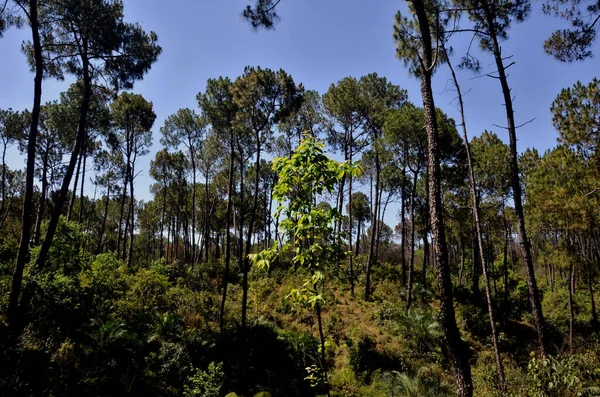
(318, 42)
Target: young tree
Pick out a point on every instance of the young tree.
(308, 228)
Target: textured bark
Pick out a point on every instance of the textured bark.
(15, 316)
(457, 349)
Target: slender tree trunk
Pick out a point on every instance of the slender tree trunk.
(350, 226)
(457, 349)
(131, 217)
(228, 235)
(403, 223)
(246, 265)
(425, 256)
(3, 203)
(374, 221)
(162, 221)
(593, 306)
(571, 282)
(477, 259)
(64, 191)
(536, 306)
(478, 231)
(75, 185)
(16, 316)
(122, 213)
(38, 223)
(506, 280)
(84, 154)
(104, 217)
(411, 264)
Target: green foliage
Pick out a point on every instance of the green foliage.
(557, 376)
(207, 383)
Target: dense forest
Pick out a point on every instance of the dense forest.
(262, 265)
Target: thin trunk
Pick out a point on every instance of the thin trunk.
(476, 264)
(350, 226)
(84, 154)
(193, 160)
(228, 238)
(64, 191)
(403, 223)
(478, 231)
(131, 217)
(246, 266)
(506, 279)
(411, 263)
(75, 185)
(457, 348)
(41, 206)
(591, 291)
(571, 282)
(536, 306)
(15, 316)
(121, 213)
(374, 221)
(104, 217)
(3, 203)
(162, 222)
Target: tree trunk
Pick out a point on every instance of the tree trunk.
(104, 217)
(84, 154)
(591, 292)
(75, 185)
(228, 233)
(478, 232)
(131, 217)
(371, 259)
(403, 223)
(122, 212)
(38, 223)
(411, 264)
(350, 226)
(457, 349)
(571, 287)
(64, 191)
(246, 265)
(536, 306)
(16, 316)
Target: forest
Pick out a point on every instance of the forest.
(263, 265)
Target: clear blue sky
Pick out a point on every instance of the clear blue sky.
(318, 42)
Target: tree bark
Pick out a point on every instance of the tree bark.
(571, 287)
(536, 306)
(478, 232)
(16, 316)
(75, 185)
(411, 263)
(457, 349)
(228, 233)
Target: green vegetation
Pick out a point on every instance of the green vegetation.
(262, 266)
